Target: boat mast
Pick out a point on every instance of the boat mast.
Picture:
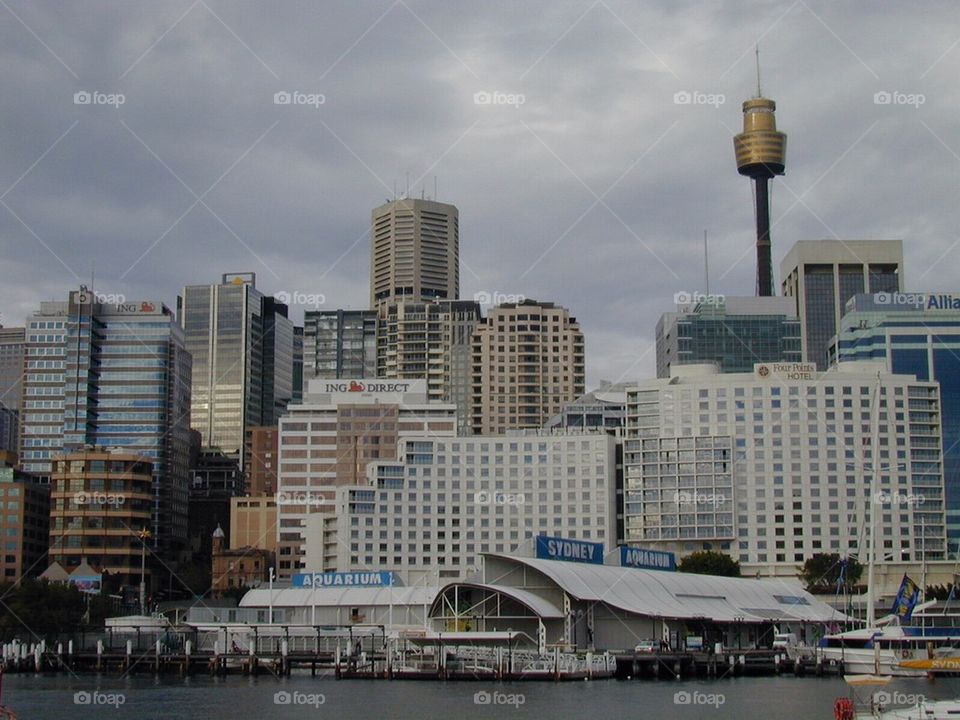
(875, 506)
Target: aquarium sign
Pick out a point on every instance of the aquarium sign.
(343, 579)
(647, 559)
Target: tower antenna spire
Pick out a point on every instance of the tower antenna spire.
(757, 54)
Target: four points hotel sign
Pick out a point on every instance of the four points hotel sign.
(343, 579)
(553, 548)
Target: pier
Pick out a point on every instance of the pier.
(370, 653)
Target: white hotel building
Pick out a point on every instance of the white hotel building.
(429, 515)
(775, 466)
(328, 441)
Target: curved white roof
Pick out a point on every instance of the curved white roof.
(339, 596)
(684, 595)
(541, 606)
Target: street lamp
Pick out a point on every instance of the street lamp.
(144, 535)
(271, 597)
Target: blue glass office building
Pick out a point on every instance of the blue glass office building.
(917, 334)
(112, 375)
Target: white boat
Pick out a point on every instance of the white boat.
(925, 710)
(877, 705)
(888, 649)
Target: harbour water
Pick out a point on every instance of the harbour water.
(59, 697)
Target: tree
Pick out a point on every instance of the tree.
(710, 562)
(40, 609)
(821, 572)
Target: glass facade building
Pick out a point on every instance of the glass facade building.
(340, 343)
(916, 334)
(735, 333)
(112, 376)
(821, 276)
(242, 347)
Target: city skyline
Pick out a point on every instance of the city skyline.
(563, 119)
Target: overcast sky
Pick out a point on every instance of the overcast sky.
(590, 186)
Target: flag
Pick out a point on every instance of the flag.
(906, 599)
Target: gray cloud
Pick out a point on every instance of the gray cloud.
(291, 187)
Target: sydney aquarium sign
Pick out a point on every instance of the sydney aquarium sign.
(343, 579)
(647, 559)
(554, 548)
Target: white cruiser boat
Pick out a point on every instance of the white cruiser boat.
(891, 649)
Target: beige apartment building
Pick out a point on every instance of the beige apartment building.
(528, 361)
(99, 502)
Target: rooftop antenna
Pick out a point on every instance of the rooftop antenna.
(407, 194)
(423, 193)
(757, 53)
(706, 261)
(394, 190)
(436, 196)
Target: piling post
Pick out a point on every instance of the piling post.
(99, 655)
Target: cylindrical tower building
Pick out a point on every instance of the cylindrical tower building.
(761, 153)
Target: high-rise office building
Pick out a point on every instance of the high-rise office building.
(242, 347)
(278, 360)
(24, 523)
(262, 460)
(415, 252)
(822, 275)
(777, 465)
(528, 362)
(11, 383)
(297, 364)
(734, 332)
(915, 334)
(114, 376)
(340, 343)
(430, 341)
